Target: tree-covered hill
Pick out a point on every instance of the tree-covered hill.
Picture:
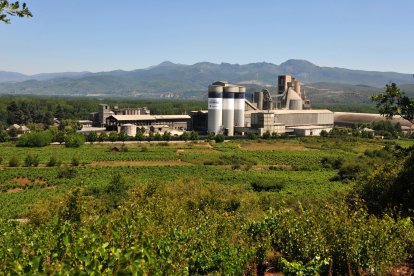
(170, 80)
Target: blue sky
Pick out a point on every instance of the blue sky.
(103, 35)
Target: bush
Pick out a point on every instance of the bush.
(35, 139)
(193, 136)
(115, 191)
(92, 137)
(75, 162)
(31, 160)
(354, 242)
(74, 140)
(252, 136)
(67, 173)
(324, 133)
(348, 171)
(332, 162)
(219, 138)
(14, 162)
(267, 135)
(266, 186)
(53, 162)
(389, 186)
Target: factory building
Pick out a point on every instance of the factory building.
(98, 119)
(230, 113)
(129, 123)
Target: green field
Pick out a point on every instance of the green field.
(202, 197)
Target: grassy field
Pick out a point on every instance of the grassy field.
(239, 163)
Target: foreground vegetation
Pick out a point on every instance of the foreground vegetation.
(301, 206)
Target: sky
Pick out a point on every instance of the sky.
(103, 35)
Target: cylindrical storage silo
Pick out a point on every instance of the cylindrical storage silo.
(228, 108)
(295, 105)
(239, 102)
(129, 129)
(258, 99)
(215, 108)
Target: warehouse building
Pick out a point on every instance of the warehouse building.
(173, 122)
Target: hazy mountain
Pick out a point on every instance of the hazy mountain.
(11, 76)
(17, 77)
(190, 81)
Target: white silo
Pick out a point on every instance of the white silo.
(215, 108)
(228, 108)
(239, 102)
(129, 129)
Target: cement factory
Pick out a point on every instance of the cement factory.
(229, 112)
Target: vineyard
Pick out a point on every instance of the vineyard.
(196, 208)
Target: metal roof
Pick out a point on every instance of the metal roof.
(287, 111)
(133, 117)
(149, 117)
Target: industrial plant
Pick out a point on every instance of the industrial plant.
(287, 112)
(230, 112)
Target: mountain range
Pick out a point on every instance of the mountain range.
(171, 80)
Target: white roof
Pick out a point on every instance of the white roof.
(287, 111)
(310, 127)
(160, 117)
(133, 117)
(148, 117)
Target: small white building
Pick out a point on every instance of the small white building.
(309, 130)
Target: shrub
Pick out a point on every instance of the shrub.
(252, 136)
(140, 136)
(14, 162)
(267, 135)
(35, 139)
(354, 242)
(75, 162)
(219, 138)
(324, 133)
(332, 162)
(389, 186)
(74, 140)
(92, 137)
(266, 185)
(103, 137)
(185, 136)
(72, 209)
(52, 161)
(231, 205)
(115, 191)
(31, 160)
(67, 173)
(193, 136)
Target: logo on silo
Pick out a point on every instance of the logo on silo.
(215, 103)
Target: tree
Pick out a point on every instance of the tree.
(185, 136)
(394, 102)
(35, 139)
(74, 140)
(92, 137)
(193, 136)
(13, 9)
